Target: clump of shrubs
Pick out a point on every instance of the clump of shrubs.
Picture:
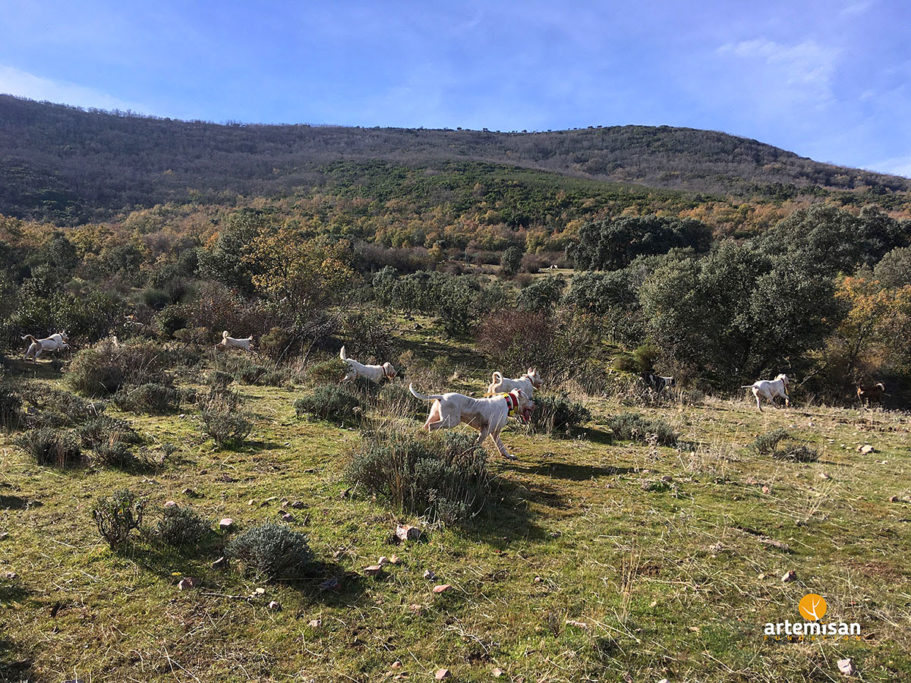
(636, 427)
(274, 551)
(221, 421)
(152, 398)
(779, 444)
(331, 402)
(104, 368)
(326, 372)
(443, 477)
(10, 409)
(51, 447)
(557, 416)
(59, 408)
(116, 516)
(181, 528)
(101, 429)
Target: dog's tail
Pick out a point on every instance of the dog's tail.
(882, 387)
(341, 354)
(30, 337)
(432, 397)
(747, 386)
(497, 377)
(225, 335)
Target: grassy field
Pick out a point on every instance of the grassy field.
(605, 559)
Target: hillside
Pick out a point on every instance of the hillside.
(69, 166)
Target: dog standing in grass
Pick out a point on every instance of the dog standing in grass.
(768, 389)
(375, 373)
(228, 342)
(488, 415)
(55, 342)
(528, 382)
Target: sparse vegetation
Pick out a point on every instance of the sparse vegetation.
(331, 402)
(117, 515)
(635, 427)
(181, 527)
(51, 447)
(557, 416)
(273, 551)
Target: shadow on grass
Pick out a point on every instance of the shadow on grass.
(13, 667)
(564, 470)
(16, 503)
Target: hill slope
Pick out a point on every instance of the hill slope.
(68, 165)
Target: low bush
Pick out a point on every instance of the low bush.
(10, 408)
(101, 429)
(557, 416)
(59, 408)
(102, 369)
(326, 371)
(635, 427)
(331, 402)
(274, 551)
(181, 528)
(155, 399)
(51, 447)
(779, 444)
(443, 477)
(219, 379)
(116, 454)
(116, 516)
(226, 426)
(395, 399)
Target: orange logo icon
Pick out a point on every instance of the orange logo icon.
(812, 607)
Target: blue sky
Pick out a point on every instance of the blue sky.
(829, 79)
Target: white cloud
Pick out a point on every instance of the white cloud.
(14, 81)
(894, 166)
(803, 72)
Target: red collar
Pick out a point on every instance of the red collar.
(512, 402)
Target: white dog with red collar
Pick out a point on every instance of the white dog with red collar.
(375, 373)
(487, 415)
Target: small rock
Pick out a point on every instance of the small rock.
(846, 666)
(259, 591)
(10, 575)
(441, 588)
(315, 623)
(866, 448)
(823, 475)
(270, 499)
(789, 576)
(287, 516)
(284, 504)
(761, 577)
(394, 559)
(345, 493)
(538, 579)
(187, 583)
(442, 674)
(219, 563)
(667, 478)
(170, 504)
(496, 673)
(405, 532)
(893, 499)
(417, 609)
(297, 505)
(226, 524)
(396, 665)
(766, 489)
(4, 535)
(373, 570)
(189, 492)
(275, 606)
(429, 575)
(251, 502)
(716, 548)
(383, 560)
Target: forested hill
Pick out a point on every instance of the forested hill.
(67, 165)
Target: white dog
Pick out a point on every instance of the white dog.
(769, 389)
(375, 373)
(228, 342)
(487, 415)
(528, 382)
(38, 346)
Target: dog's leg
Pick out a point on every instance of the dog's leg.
(502, 448)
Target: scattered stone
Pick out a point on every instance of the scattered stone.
(538, 579)
(287, 516)
(330, 584)
(441, 588)
(275, 606)
(775, 544)
(190, 492)
(10, 575)
(442, 674)
(394, 559)
(761, 577)
(297, 505)
(315, 623)
(578, 624)
(396, 664)
(345, 493)
(893, 499)
(373, 570)
(496, 673)
(789, 576)
(405, 532)
(269, 500)
(429, 575)
(716, 548)
(766, 489)
(417, 609)
(823, 475)
(4, 535)
(170, 504)
(186, 583)
(220, 563)
(846, 666)
(667, 478)
(226, 524)
(259, 591)
(284, 504)
(866, 448)
(383, 560)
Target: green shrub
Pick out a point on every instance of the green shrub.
(443, 477)
(181, 527)
(557, 416)
(780, 445)
(116, 454)
(276, 343)
(51, 447)
(116, 516)
(272, 550)
(170, 319)
(219, 379)
(331, 402)
(103, 429)
(395, 399)
(635, 427)
(10, 408)
(226, 426)
(102, 369)
(59, 408)
(155, 399)
(327, 371)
